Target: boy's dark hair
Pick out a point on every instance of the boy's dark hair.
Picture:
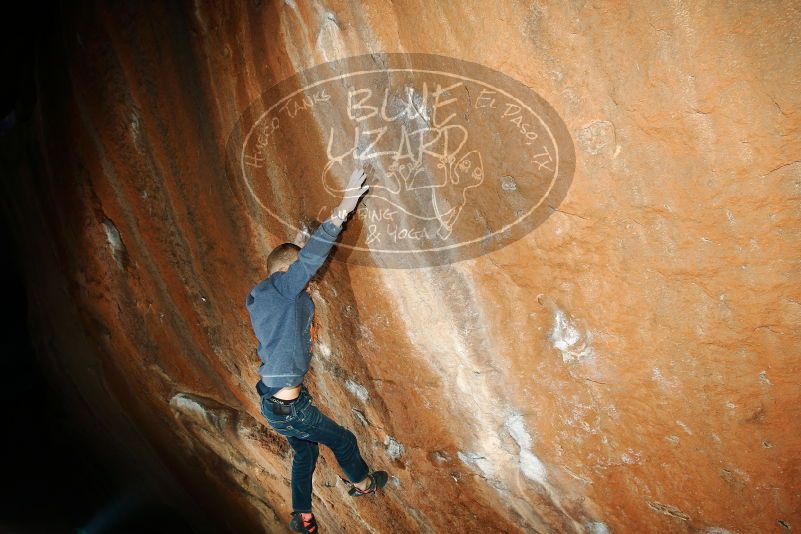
(281, 256)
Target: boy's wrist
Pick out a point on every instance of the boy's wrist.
(338, 216)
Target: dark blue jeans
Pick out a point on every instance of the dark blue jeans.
(305, 427)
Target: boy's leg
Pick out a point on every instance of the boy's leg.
(339, 439)
(303, 464)
(345, 447)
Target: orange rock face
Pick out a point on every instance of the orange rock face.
(618, 348)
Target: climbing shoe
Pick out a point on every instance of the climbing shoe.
(377, 480)
(299, 524)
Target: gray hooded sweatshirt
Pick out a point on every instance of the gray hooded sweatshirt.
(281, 313)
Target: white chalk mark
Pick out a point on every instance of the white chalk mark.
(569, 340)
(359, 391)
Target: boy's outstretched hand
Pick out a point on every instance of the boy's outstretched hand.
(354, 191)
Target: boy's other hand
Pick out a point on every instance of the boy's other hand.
(301, 237)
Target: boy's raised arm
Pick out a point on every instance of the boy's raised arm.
(310, 258)
(313, 254)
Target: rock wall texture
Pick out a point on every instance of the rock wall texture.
(630, 365)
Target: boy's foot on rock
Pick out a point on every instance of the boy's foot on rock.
(303, 522)
(377, 480)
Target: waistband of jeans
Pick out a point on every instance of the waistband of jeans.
(276, 400)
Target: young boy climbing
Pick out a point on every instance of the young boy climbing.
(281, 313)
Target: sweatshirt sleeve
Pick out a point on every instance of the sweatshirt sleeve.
(310, 258)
